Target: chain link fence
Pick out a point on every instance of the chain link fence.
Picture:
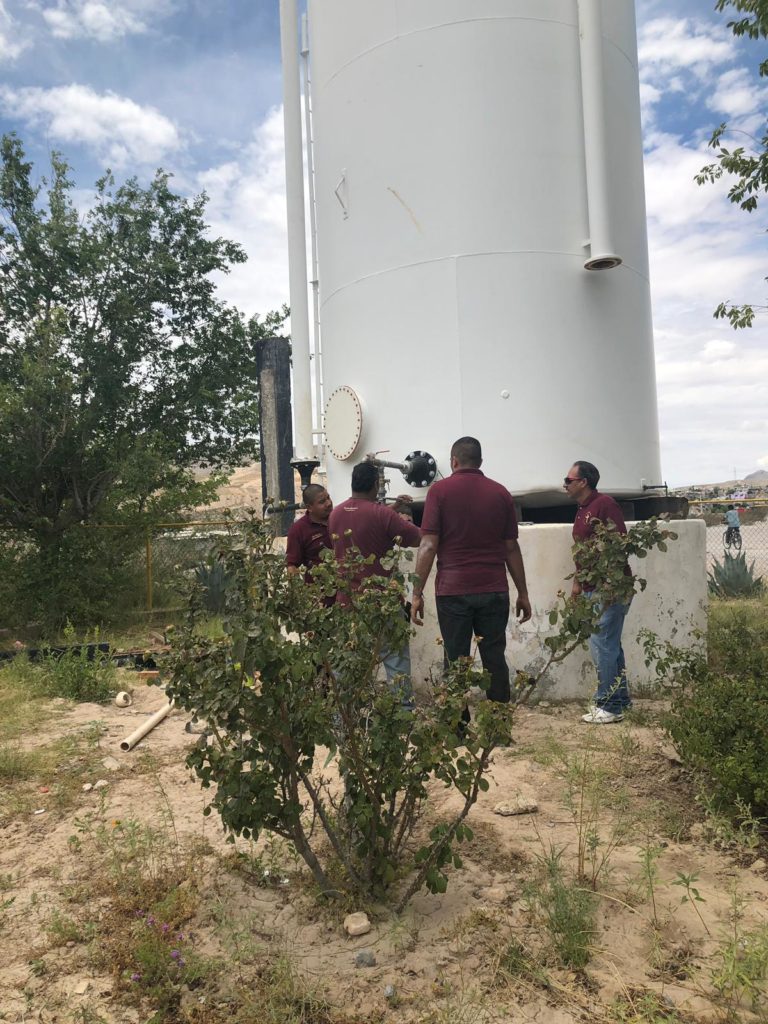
(117, 572)
(172, 552)
(752, 538)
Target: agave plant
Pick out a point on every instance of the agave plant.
(213, 577)
(734, 578)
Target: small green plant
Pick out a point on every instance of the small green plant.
(62, 929)
(566, 909)
(691, 894)
(38, 967)
(158, 958)
(649, 878)
(515, 962)
(593, 787)
(737, 830)
(17, 765)
(734, 578)
(76, 676)
(742, 967)
(644, 1007)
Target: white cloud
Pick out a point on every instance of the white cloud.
(763, 462)
(103, 20)
(718, 349)
(11, 43)
(683, 43)
(672, 196)
(119, 130)
(649, 97)
(247, 204)
(737, 95)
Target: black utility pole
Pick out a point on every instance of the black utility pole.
(273, 365)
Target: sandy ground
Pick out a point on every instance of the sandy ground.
(442, 955)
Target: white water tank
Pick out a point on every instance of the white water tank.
(454, 211)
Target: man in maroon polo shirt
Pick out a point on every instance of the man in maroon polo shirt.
(612, 698)
(374, 529)
(308, 536)
(470, 524)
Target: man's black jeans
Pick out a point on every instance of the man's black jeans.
(483, 615)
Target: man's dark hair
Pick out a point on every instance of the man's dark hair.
(365, 477)
(311, 493)
(588, 472)
(730, 506)
(467, 452)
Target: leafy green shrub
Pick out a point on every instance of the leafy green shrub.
(71, 674)
(602, 557)
(290, 674)
(719, 713)
(77, 678)
(734, 578)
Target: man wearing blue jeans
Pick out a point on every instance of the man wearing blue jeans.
(612, 697)
(469, 524)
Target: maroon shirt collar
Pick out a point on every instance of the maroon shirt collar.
(314, 522)
(590, 499)
(467, 469)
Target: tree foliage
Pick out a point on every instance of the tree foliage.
(120, 369)
(746, 165)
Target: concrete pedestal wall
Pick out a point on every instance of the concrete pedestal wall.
(673, 605)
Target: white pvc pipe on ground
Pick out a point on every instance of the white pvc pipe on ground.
(138, 734)
(297, 238)
(601, 255)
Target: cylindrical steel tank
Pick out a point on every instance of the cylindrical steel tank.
(453, 229)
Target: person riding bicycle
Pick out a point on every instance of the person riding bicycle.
(733, 524)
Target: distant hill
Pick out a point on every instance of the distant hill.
(760, 476)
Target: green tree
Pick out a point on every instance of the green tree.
(120, 369)
(746, 165)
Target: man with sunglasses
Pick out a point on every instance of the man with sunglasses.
(612, 697)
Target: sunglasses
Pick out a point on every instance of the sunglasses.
(571, 479)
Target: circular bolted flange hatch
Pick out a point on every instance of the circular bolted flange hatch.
(343, 422)
(423, 469)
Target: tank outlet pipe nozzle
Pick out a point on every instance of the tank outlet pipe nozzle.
(602, 254)
(418, 467)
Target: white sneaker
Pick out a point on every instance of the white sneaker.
(599, 716)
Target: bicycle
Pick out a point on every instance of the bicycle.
(732, 540)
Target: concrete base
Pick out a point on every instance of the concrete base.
(673, 605)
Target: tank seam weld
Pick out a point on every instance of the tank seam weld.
(470, 255)
(445, 24)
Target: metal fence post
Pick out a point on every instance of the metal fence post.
(149, 570)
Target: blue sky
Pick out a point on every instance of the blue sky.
(194, 86)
